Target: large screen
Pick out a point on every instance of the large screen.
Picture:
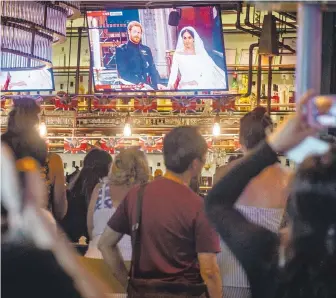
(137, 50)
(27, 80)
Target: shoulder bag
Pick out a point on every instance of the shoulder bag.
(148, 288)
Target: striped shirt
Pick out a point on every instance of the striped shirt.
(232, 272)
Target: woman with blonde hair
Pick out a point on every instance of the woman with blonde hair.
(129, 168)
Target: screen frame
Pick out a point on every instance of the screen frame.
(161, 92)
(34, 90)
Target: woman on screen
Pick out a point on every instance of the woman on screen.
(192, 66)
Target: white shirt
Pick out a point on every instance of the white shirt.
(103, 211)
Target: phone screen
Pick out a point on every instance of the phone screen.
(322, 111)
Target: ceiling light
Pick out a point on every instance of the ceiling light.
(127, 127)
(216, 130)
(127, 130)
(43, 129)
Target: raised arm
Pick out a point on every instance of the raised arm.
(228, 189)
(253, 245)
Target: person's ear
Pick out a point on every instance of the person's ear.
(196, 167)
(193, 166)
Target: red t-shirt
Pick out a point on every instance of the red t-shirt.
(174, 229)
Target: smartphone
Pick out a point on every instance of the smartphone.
(322, 111)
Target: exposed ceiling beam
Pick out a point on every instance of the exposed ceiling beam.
(101, 5)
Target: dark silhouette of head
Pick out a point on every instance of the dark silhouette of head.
(96, 166)
(253, 127)
(311, 249)
(184, 149)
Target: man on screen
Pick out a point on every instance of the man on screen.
(134, 60)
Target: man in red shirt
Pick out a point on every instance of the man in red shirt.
(177, 243)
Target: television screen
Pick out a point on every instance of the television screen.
(139, 50)
(27, 80)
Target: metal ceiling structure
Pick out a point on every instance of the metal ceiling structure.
(101, 5)
(283, 6)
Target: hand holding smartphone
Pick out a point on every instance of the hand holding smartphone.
(321, 111)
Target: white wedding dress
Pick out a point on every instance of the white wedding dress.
(199, 68)
(194, 68)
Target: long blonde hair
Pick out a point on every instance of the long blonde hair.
(129, 168)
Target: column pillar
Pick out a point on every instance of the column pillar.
(328, 78)
(309, 45)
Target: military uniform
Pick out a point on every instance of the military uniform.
(135, 64)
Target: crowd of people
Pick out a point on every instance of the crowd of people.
(263, 230)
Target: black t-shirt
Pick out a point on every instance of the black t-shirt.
(74, 223)
(27, 271)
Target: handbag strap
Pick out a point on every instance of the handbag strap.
(136, 233)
